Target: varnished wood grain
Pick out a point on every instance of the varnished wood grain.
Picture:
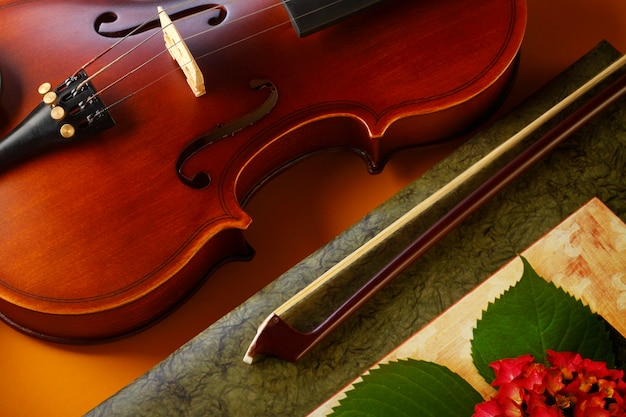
(102, 238)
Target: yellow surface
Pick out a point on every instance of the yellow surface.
(293, 215)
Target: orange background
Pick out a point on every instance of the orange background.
(296, 213)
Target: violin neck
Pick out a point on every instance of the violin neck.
(310, 16)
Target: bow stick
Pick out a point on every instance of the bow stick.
(277, 338)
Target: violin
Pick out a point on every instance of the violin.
(124, 172)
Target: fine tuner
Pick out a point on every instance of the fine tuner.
(57, 113)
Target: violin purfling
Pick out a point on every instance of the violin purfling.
(108, 229)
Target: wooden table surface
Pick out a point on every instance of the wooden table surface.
(44, 379)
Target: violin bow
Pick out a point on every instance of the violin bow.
(275, 337)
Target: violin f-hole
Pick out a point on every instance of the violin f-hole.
(112, 25)
(202, 179)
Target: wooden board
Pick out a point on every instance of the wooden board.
(585, 255)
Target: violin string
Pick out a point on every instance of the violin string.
(175, 70)
(137, 29)
(113, 46)
(140, 66)
(118, 59)
(152, 18)
(156, 33)
(128, 35)
(286, 22)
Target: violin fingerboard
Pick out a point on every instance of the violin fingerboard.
(309, 16)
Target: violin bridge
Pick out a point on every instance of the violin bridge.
(180, 53)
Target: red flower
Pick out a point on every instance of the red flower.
(567, 362)
(571, 386)
(509, 369)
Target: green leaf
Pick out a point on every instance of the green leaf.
(410, 388)
(535, 315)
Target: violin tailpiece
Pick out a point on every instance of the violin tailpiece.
(67, 113)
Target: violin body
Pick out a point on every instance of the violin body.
(107, 234)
